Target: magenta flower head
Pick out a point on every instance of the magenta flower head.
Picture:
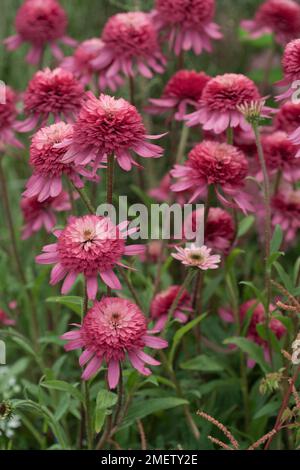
(40, 22)
(220, 164)
(280, 17)
(108, 126)
(189, 23)
(81, 65)
(8, 121)
(161, 305)
(90, 245)
(217, 108)
(131, 46)
(56, 93)
(197, 257)
(291, 69)
(281, 155)
(46, 159)
(42, 214)
(182, 90)
(286, 212)
(288, 117)
(112, 329)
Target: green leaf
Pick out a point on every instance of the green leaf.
(63, 387)
(254, 351)
(73, 302)
(204, 363)
(276, 239)
(285, 278)
(257, 292)
(180, 334)
(274, 257)
(270, 409)
(142, 408)
(105, 401)
(245, 225)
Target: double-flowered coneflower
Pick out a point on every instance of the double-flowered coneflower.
(8, 118)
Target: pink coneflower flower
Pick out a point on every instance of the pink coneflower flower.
(197, 257)
(81, 65)
(189, 23)
(219, 228)
(40, 22)
(5, 320)
(214, 163)
(42, 214)
(280, 17)
(112, 329)
(217, 108)
(182, 90)
(131, 46)
(8, 122)
(55, 93)
(291, 69)
(46, 159)
(90, 245)
(280, 155)
(288, 117)
(257, 312)
(162, 302)
(286, 211)
(108, 126)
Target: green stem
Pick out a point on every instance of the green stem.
(109, 189)
(182, 143)
(188, 278)
(129, 284)
(85, 199)
(86, 388)
(229, 133)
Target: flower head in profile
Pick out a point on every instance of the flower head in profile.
(281, 155)
(51, 93)
(219, 164)
(291, 69)
(81, 65)
(280, 17)
(108, 126)
(182, 90)
(288, 117)
(197, 257)
(8, 115)
(189, 24)
(40, 22)
(286, 211)
(221, 97)
(46, 160)
(111, 330)
(90, 245)
(131, 46)
(161, 305)
(42, 214)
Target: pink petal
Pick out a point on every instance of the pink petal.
(113, 373)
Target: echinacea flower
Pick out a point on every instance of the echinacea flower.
(257, 314)
(197, 257)
(8, 121)
(189, 24)
(56, 93)
(46, 159)
(281, 156)
(131, 46)
(90, 245)
(219, 228)
(162, 302)
(286, 211)
(280, 17)
(288, 117)
(218, 106)
(42, 214)
(81, 65)
(111, 330)
(215, 163)
(40, 22)
(291, 69)
(182, 90)
(107, 126)
(5, 320)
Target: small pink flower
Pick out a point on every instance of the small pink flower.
(46, 158)
(218, 164)
(280, 17)
(162, 302)
(5, 320)
(8, 121)
(42, 214)
(197, 257)
(286, 212)
(81, 65)
(40, 22)
(189, 23)
(112, 329)
(291, 68)
(131, 46)
(108, 126)
(280, 155)
(182, 90)
(54, 93)
(217, 108)
(90, 245)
